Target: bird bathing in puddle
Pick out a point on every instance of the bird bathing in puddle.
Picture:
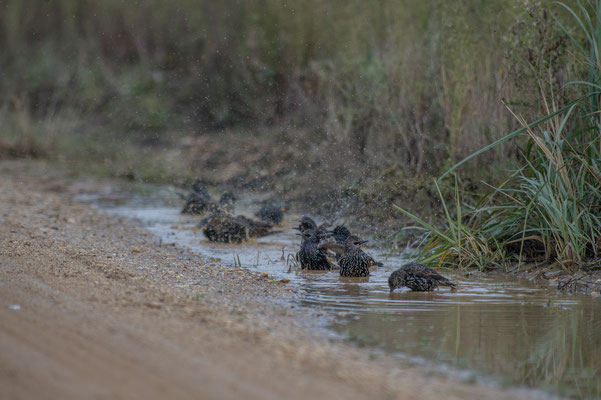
(354, 262)
(340, 234)
(418, 278)
(311, 256)
(306, 223)
(223, 228)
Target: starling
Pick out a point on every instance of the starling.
(271, 213)
(354, 262)
(417, 277)
(341, 234)
(224, 228)
(226, 202)
(255, 228)
(306, 223)
(198, 201)
(310, 255)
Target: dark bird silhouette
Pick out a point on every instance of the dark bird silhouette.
(255, 228)
(225, 228)
(306, 223)
(341, 233)
(198, 200)
(354, 262)
(271, 213)
(310, 256)
(417, 277)
(226, 202)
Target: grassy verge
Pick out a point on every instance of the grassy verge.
(549, 209)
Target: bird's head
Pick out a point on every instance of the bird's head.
(396, 280)
(306, 223)
(227, 198)
(309, 236)
(353, 242)
(341, 233)
(199, 187)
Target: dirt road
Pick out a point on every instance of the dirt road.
(105, 312)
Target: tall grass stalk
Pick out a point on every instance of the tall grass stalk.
(550, 208)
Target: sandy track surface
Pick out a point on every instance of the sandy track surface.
(108, 313)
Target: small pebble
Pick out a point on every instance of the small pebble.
(15, 307)
(264, 275)
(135, 250)
(284, 280)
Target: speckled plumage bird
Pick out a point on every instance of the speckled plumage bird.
(307, 223)
(271, 213)
(417, 277)
(354, 262)
(310, 256)
(255, 228)
(198, 200)
(226, 202)
(341, 233)
(225, 228)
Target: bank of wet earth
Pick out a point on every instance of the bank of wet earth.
(96, 306)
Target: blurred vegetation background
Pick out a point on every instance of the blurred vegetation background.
(360, 92)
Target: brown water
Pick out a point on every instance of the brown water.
(500, 328)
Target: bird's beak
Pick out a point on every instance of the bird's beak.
(297, 228)
(363, 241)
(299, 234)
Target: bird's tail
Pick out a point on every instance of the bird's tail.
(448, 283)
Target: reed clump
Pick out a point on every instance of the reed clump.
(549, 209)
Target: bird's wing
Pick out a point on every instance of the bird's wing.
(431, 274)
(422, 270)
(333, 247)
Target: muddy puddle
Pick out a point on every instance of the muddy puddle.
(497, 328)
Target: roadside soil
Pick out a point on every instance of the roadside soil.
(106, 312)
